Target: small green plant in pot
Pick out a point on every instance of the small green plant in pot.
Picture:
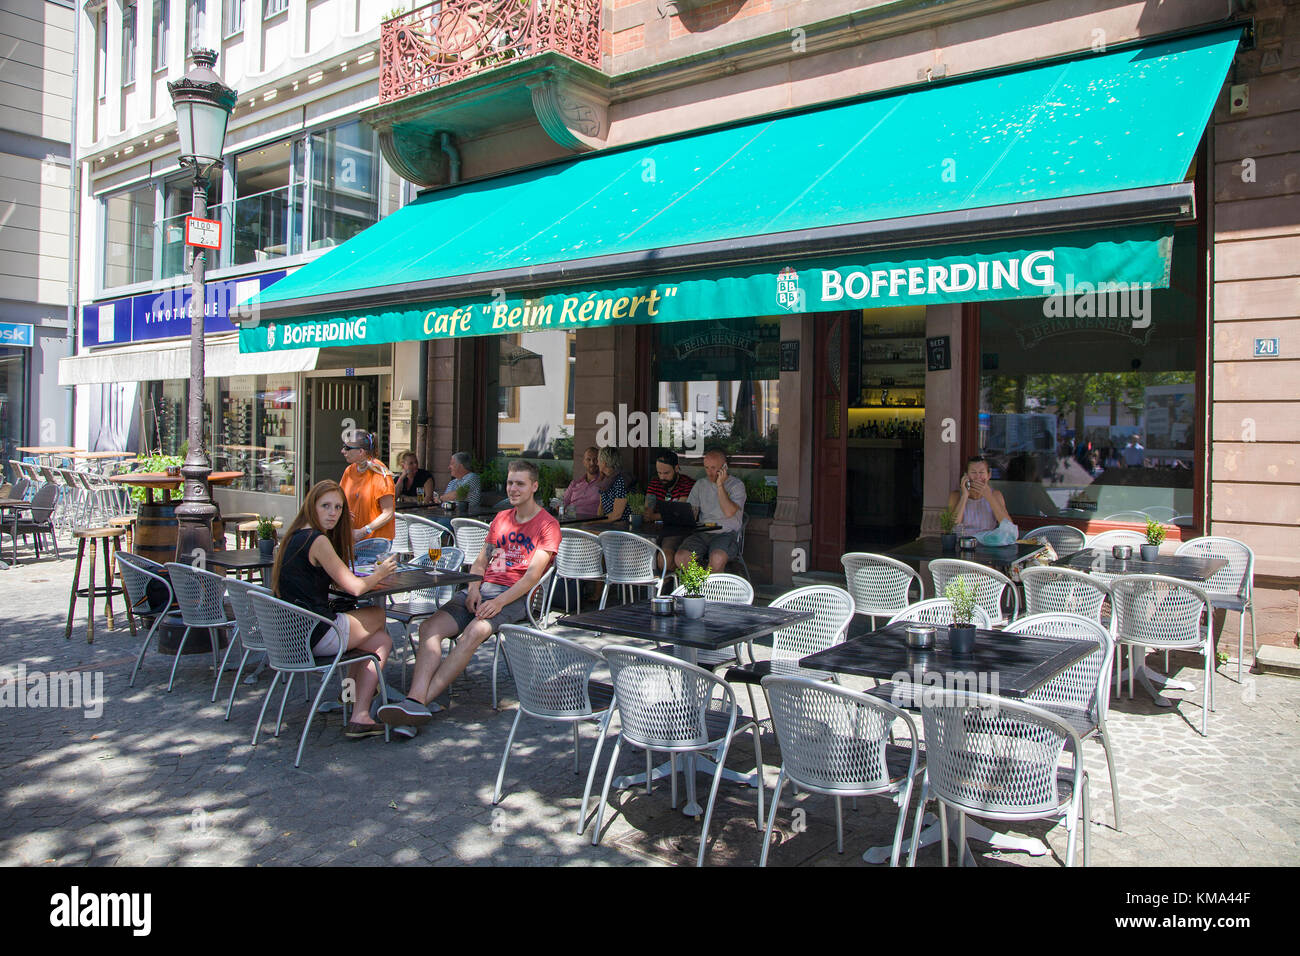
(635, 507)
(1155, 538)
(266, 536)
(462, 500)
(948, 524)
(961, 633)
(691, 576)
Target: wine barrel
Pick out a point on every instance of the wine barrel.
(156, 531)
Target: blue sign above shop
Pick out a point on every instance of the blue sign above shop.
(14, 333)
(166, 314)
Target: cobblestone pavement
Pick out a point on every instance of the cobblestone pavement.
(161, 778)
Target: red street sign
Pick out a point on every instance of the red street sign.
(202, 232)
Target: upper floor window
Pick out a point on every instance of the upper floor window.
(101, 51)
(128, 43)
(161, 30)
(345, 183)
(276, 6)
(196, 16)
(234, 22)
(128, 236)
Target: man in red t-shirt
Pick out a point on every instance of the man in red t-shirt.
(519, 547)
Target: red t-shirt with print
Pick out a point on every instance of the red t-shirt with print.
(513, 544)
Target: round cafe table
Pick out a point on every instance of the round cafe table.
(152, 481)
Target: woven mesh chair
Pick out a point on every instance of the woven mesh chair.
(837, 742)
(1151, 610)
(536, 605)
(832, 610)
(38, 521)
(553, 679)
(1108, 539)
(580, 558)
(417, 605)
(880, 585)
(666, 704)
(247, 629)
(1138, 517)
(1064, 538)
(138, 576)
(370, 551)
(470, 535)
(730, 589)
(1162, 513)
(201, 596)
(989, 586)
(1050, 590)
(1079, 695)
(630, 561)
(1231, 588)
(286, 632)
(1000, 759)
(401, 534)
(938, 611)
(423, 534)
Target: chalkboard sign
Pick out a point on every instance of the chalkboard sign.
(939, 355)
(790, 356)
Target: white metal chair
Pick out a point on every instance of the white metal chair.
(423, 534)
(417, 605)
(999, 759)
(401, 535)
(579, 559)
(832, 610)
(286, 632)
(247, 630)
(370, 550)
(1050, 590)
(1152, 610)
(1162, 513)
(837, 742)
(536, 605)
(1231, 588)
(140, 576)
(938, 611)
(554, 683)
(665, 704)
(989, 586)
(1108, 539)
(470, 535)
(201, 597)
(881, 586)
(1140, 517)
(1079, 695)
(731, 589)
(1065, 539)
(630, 561)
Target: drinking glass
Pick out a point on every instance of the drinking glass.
(435, 555)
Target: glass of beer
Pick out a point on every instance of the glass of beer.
(435, 555)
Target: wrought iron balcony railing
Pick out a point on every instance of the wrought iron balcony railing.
(442, 42)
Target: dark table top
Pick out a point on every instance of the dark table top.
(1101, 561)
(930, 548)
(400, 582)
(648, 529)
(437, 511)
(241, 560)
(1021, 663)
(721, 626)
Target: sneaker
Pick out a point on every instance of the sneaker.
(403, 731)
(355, 731)
(408, 712)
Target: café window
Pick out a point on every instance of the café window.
(196, 14)
(717, 385)
(163, 416)
(255, 432)
(1088, 402)
(129, 236)
(345, 183)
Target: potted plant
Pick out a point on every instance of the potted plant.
(691, 576)
(266, 536)
(961, 633)
(462, 500)
(635, 505)
(760, 498)
(1155, 538)
(947, 524)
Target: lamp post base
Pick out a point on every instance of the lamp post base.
(194, 515)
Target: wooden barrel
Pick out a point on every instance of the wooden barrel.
(156, 531)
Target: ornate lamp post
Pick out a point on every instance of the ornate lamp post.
(203, 106)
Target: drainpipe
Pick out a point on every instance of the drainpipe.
(422, 419)
(74, 208)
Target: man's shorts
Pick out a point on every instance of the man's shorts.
(512, 613)
(702, 544)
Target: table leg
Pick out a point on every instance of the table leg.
(76, 581)
(1149, 679)
(108, 585)
(90, 596)
(932, 832)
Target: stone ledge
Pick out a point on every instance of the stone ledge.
(1284, 661)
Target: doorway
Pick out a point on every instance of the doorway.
(337, 404)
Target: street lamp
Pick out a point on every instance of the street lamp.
(203, 106)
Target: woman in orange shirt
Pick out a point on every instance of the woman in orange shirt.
(368, 485)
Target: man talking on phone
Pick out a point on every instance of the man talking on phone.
(720, 500)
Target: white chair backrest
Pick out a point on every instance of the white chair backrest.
(1064, 538)
(550, 673)
(1153, 610)
(424, 534)
(1108, 539)
(989, 585)
(470, 535)
(880, 585)
(1085, 684)
(1063, 590)
(286, 631)
(832, 609)
(938, 611)
(729, 588)
(250, 633)
(200, 594)
(630, 559)
(662, 701)
(1238, 578)
(580, 555)
(453, 559)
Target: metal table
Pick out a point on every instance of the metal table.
(1103, 564)
(723, 625)
(245, 559)
(927, 549)
(13, 506)
(1018, 663)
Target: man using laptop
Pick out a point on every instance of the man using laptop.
(519, 547)
(669, 484)
(720, 500)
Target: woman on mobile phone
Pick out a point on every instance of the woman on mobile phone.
(975, 505)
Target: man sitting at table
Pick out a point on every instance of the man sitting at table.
(720, 500)
(519, 546)
(461, 477)
(582, 497)
(669, 484)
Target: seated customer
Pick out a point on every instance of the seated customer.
(519, 547)
(414, 479)
(669, 484)
(317, 551)
(461, 477)
(720, 499)
(613, 486)
(976, 506)
(582, 497)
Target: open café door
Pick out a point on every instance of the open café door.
(830, 440)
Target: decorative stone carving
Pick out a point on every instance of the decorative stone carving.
(573, 114)
(415, 155)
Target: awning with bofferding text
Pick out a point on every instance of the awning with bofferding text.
(1024, 183)
(162, 361)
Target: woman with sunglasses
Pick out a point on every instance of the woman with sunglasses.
(368, 485)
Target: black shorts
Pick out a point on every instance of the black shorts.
(512, 613)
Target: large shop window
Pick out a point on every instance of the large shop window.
(163, 417)
(717, 386)
(178, 201)
(13, 405)
(530, 377)
(1088, 401)
(128, 236)
(255, 432)
(345, 183)
(267, 214)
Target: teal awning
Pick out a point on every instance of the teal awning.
(998, 186)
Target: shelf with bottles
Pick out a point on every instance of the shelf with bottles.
(891, 396)
(277, 423)
(901, 425)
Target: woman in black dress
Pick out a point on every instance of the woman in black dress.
(413, 478)
(315, 553)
